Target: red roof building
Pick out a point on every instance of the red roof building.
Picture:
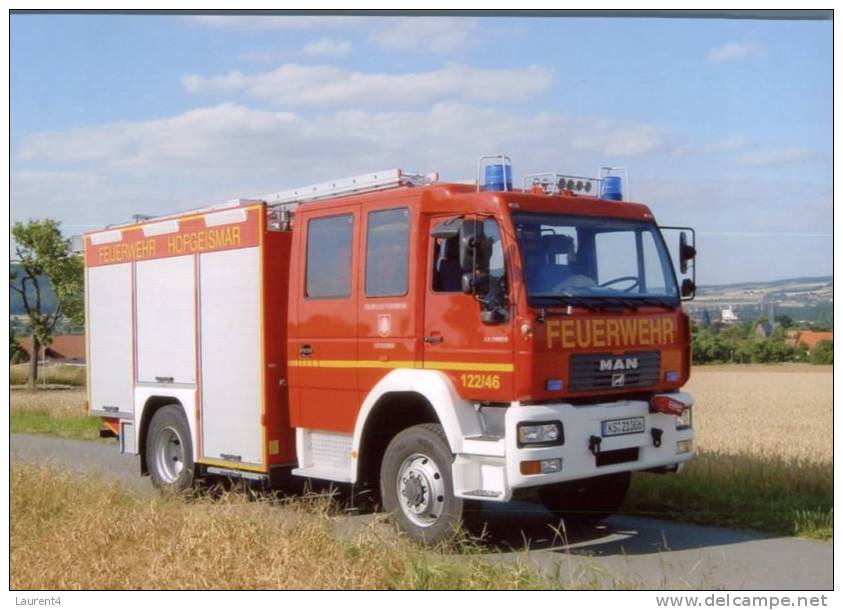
(809, 337)
(63, 347)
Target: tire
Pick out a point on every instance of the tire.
(417, 486)
(169, 450)
(586, 501)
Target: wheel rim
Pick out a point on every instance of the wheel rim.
(421, 490)
(169, 455)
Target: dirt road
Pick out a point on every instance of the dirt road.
(625, 550)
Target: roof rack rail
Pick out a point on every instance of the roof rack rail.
(375, 181)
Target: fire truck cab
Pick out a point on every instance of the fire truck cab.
(444, 343)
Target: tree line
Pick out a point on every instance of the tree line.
(740, 343)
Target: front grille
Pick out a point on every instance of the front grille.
(586, 374)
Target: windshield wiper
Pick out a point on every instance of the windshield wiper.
(567, 299)
(622, 302)
(658, 302)
(596, 303)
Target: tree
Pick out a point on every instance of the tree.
(785, 320)
(823, 352)
(42, 252)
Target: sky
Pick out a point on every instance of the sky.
(723, 125)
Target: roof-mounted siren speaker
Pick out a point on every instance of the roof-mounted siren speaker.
(611, 185)
(496, 171)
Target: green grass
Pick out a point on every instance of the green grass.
(770, 494)
(81, 427)
(54, 412)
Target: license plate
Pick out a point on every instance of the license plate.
(616, 427)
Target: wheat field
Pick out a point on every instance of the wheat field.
(782, 411)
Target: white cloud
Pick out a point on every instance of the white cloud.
(735, 50)
(440, 35)
(303, 85)
(327, 47)
(435, 34)
(777, 156)
(94, 176)
(235, 145)
(258, 23)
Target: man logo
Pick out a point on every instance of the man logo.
(618, 380)
(619, 364)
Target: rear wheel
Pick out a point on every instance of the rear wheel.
(169, 450)
(416, 484)
(587, 500)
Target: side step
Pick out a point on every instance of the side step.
(482, 493)
(237, 474)
(484, 444)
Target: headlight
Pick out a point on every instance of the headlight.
(540, 433)
(684, 421)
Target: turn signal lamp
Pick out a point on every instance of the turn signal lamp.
(667, 405)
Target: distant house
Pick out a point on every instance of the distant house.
(728, 315)
(67, 348)
(809, 337)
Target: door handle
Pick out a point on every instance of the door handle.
(433, 339)
(305, 350)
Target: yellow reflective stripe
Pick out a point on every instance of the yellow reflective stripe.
(403, 364)
(232, 465)
(355, 364)
(470, 366)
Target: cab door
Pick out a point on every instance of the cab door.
(477, 357)
(387, 332)
(322, 346)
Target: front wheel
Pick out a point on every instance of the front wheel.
(169, 450)
(587, 500)
(416, 484)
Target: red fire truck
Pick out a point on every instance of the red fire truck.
(443, 342)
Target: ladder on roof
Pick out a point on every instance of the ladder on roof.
(282, 204)
(390, 178)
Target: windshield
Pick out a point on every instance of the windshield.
(590, 259)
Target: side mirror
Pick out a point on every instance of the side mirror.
(686, 252)
(475, 283)
(473, 250)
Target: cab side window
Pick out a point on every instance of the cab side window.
(447, 273)
(387, 252)
(328, 267)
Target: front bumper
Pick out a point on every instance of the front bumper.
(496, 474)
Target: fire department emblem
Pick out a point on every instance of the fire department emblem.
(618, 380)
(384, 324)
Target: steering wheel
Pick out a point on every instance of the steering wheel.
(625, 278)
